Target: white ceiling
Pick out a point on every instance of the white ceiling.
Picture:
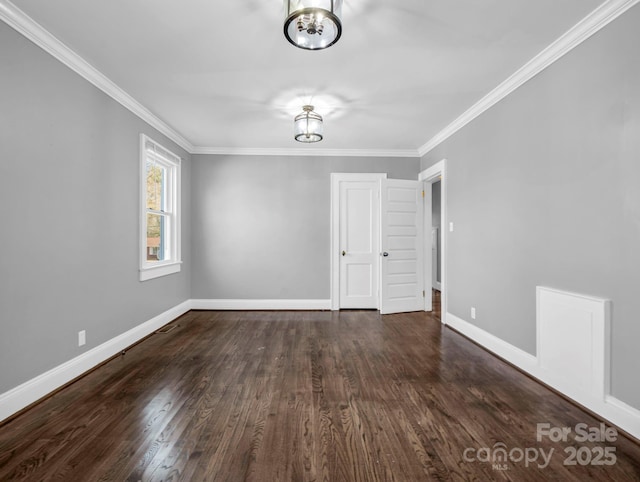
(223, 76)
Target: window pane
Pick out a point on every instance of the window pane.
(156, 182)
(160, 210)
(157, 239)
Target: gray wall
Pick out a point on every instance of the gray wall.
(544, 190)
(261, 223)
(69, 173)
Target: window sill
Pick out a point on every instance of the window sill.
(158, 271)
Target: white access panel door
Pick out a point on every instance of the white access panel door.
(359, 244)
(402, 246)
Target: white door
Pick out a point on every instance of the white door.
(402, 246)
(359, 243)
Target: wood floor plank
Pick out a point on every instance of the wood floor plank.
(301, 396)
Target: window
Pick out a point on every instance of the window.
(160, 210)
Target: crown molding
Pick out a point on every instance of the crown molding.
(243, 151)
(584, 29)
(25, 25)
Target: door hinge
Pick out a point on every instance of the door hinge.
(422, 193)
(423, 294)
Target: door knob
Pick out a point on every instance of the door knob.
(385, 254)
(343, 252)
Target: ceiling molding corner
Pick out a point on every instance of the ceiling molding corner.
(306, 152)
(585, 28)
(25, 25)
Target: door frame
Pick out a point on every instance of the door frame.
(438, 172)
(334, 226)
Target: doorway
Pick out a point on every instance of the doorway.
(436, 228)
(435, 180)
(355, 240)
(376, 243)
(358, 225)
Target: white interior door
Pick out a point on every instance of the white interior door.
(402, 246)
(359, 243)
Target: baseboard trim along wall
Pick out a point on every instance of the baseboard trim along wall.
(215, 304)
(33, 390)
(512, 354)
(610, 408)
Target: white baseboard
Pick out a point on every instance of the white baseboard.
(33, 390)
(616, 411)
(215, 304)
(624, 416)
(611, 409)
(515, 355)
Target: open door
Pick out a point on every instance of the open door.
(402, 276)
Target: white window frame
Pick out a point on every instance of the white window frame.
(150, 270)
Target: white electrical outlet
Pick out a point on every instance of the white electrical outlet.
(473, 313)
(451, 226)
(82, 337)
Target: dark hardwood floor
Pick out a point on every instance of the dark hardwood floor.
(436, 304)
(306, 396)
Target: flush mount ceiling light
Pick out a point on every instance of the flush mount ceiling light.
(307, 125)
(313, 24)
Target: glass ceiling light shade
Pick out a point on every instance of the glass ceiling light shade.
(313, 24)
(307, 125)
